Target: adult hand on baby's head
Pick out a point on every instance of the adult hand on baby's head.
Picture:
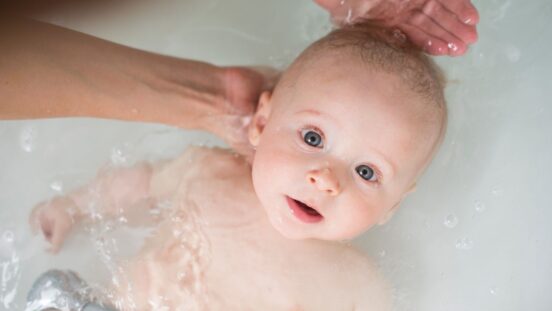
(53, 220)
(243, 86)
(439, 27)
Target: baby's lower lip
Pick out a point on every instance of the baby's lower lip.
(301, 211)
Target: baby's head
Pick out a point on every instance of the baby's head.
(349, 128)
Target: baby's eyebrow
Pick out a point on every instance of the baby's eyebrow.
(317, 113)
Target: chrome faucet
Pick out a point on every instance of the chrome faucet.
(64, 291)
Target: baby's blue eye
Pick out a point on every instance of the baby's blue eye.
(312, 138)
(365, 172)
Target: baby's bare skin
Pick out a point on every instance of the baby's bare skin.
(250, 266)
(337, 146)
(245, 264)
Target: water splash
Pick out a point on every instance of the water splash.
(10, 279)
(118, 157)
(27, 139)
(464, 243)
(57, 186)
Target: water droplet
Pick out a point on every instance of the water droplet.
(479, 206)
(181, 275)
(452, 46)
(118, 157)
(496, 191)
(450, 221)
(56, 186)
(349, 17)
(27, 139)
(464, 243)
(493, 291)
(8, 236)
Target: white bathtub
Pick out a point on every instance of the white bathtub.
(475, 235)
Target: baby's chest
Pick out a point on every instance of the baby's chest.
(257, 274)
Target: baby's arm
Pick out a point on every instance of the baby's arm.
(107, 195)
(114, 192)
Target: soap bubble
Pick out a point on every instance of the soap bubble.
(451, 221)
(479, 206)
(8, 236)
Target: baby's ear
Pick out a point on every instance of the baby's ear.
(388, 214)
(256, 127)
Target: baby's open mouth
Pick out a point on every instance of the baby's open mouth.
(304, 212)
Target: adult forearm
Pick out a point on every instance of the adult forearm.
(48, 71)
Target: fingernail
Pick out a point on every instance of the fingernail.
(468, 21)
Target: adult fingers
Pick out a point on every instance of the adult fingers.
(454, 45)
(464, 9)
(450, 21)
(431, 45)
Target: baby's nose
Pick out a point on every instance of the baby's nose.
(324, 180)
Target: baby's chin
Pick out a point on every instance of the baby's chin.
(296, 232)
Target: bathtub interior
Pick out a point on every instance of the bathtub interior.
(474, 236)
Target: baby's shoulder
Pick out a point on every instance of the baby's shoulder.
(215, 160)
(197, 164)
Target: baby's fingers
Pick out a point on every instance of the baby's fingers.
(55, 234)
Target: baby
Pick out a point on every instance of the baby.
(339, 143)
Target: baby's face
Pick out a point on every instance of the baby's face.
(337, 151)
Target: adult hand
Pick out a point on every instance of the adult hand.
(439, 27)
(243, 87)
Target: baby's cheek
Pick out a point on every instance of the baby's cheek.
(361, 214)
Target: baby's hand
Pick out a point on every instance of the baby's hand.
(53, 218)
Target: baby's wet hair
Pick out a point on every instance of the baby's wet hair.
(387, 50)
